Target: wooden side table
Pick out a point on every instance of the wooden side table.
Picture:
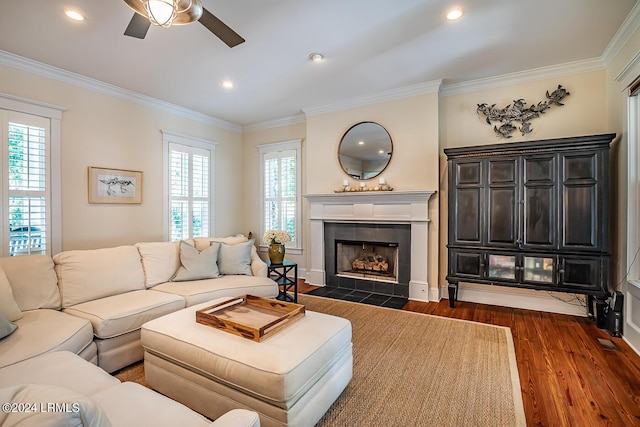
(278, 272)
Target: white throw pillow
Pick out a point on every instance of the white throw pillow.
(235, 259)
(48, 406)
(197, 265)
(8, 307)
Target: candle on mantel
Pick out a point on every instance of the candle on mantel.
(345, 183)
(362, 184)
(381, 181)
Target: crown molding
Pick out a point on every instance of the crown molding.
(630, 25)
(269, 124)
(48, 71)
(387, 95)
(536, 74)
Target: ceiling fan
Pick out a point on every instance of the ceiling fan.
(165, 13)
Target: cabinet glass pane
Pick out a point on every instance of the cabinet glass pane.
(538, 269)
(502, 266)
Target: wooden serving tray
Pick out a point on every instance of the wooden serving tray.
(250, 317)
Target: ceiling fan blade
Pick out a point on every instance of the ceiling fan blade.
(220, 29)
(138, 26)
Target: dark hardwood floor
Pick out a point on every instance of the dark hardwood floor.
(566, 376)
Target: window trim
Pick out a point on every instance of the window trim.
(294, 144)
(169, 137)
(54, 114)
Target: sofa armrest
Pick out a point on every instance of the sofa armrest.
(258, 267)
(237, 418)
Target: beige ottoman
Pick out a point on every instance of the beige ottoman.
(291, 378)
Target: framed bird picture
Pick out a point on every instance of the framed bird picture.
(114, 185)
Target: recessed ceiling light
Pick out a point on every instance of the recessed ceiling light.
(316, 57)
(76, 16)
(227, 84)
(454, 14)
(360, 142)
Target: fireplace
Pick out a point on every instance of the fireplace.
(368, 257)
(400, 217)
(367, 260)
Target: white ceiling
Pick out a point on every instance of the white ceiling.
(370, 46)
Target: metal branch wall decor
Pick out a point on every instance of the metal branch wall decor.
(519, 112)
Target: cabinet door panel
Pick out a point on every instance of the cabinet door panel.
(580, 194)
(503, 171)
(469, 173)
(539, 196)
(466, 264)
(502, 202)
(539, 216)
(579, 216)
(467, 221)
(580, 274)
(502, 216)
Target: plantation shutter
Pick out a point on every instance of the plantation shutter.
(26, 184)
(189, 192)
(280, 192)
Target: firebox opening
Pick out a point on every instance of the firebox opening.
(367, 260)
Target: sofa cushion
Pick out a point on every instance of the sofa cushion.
(130, 404)
(61, 368)
(235, 259)
(50, 406)
(198, 291)
(8, 307)
(197, 265)
(87, 275)
(6, 327)
(42, 331)
(160, 260)
(119, 314)
(33, 281)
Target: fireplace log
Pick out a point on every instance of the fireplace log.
(370, 262)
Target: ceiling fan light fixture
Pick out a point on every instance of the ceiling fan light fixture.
(161, 12)
(316, 57)
(454, 14)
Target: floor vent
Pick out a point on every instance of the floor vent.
(607, 344)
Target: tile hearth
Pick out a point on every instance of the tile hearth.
(363, 297)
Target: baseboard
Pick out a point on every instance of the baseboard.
(517, 298)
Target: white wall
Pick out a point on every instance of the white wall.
(108, 131)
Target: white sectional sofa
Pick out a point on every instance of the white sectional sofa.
(93, 302)
(67, 391)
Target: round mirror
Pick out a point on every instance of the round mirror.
(365, 150)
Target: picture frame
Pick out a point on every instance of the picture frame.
(114, 185)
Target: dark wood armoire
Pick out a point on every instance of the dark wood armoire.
(531, 215)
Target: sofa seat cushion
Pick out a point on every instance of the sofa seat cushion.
(119, 314)
(197, 291)
(130, 404)
(42, 331)
(60, 368)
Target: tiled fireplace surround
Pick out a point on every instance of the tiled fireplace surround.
(362, 215)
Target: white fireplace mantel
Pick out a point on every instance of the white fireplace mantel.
(384, 207)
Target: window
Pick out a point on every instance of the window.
(188, 188)
(29, 179)
(280, 189)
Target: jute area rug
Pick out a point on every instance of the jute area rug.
(414, 369)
